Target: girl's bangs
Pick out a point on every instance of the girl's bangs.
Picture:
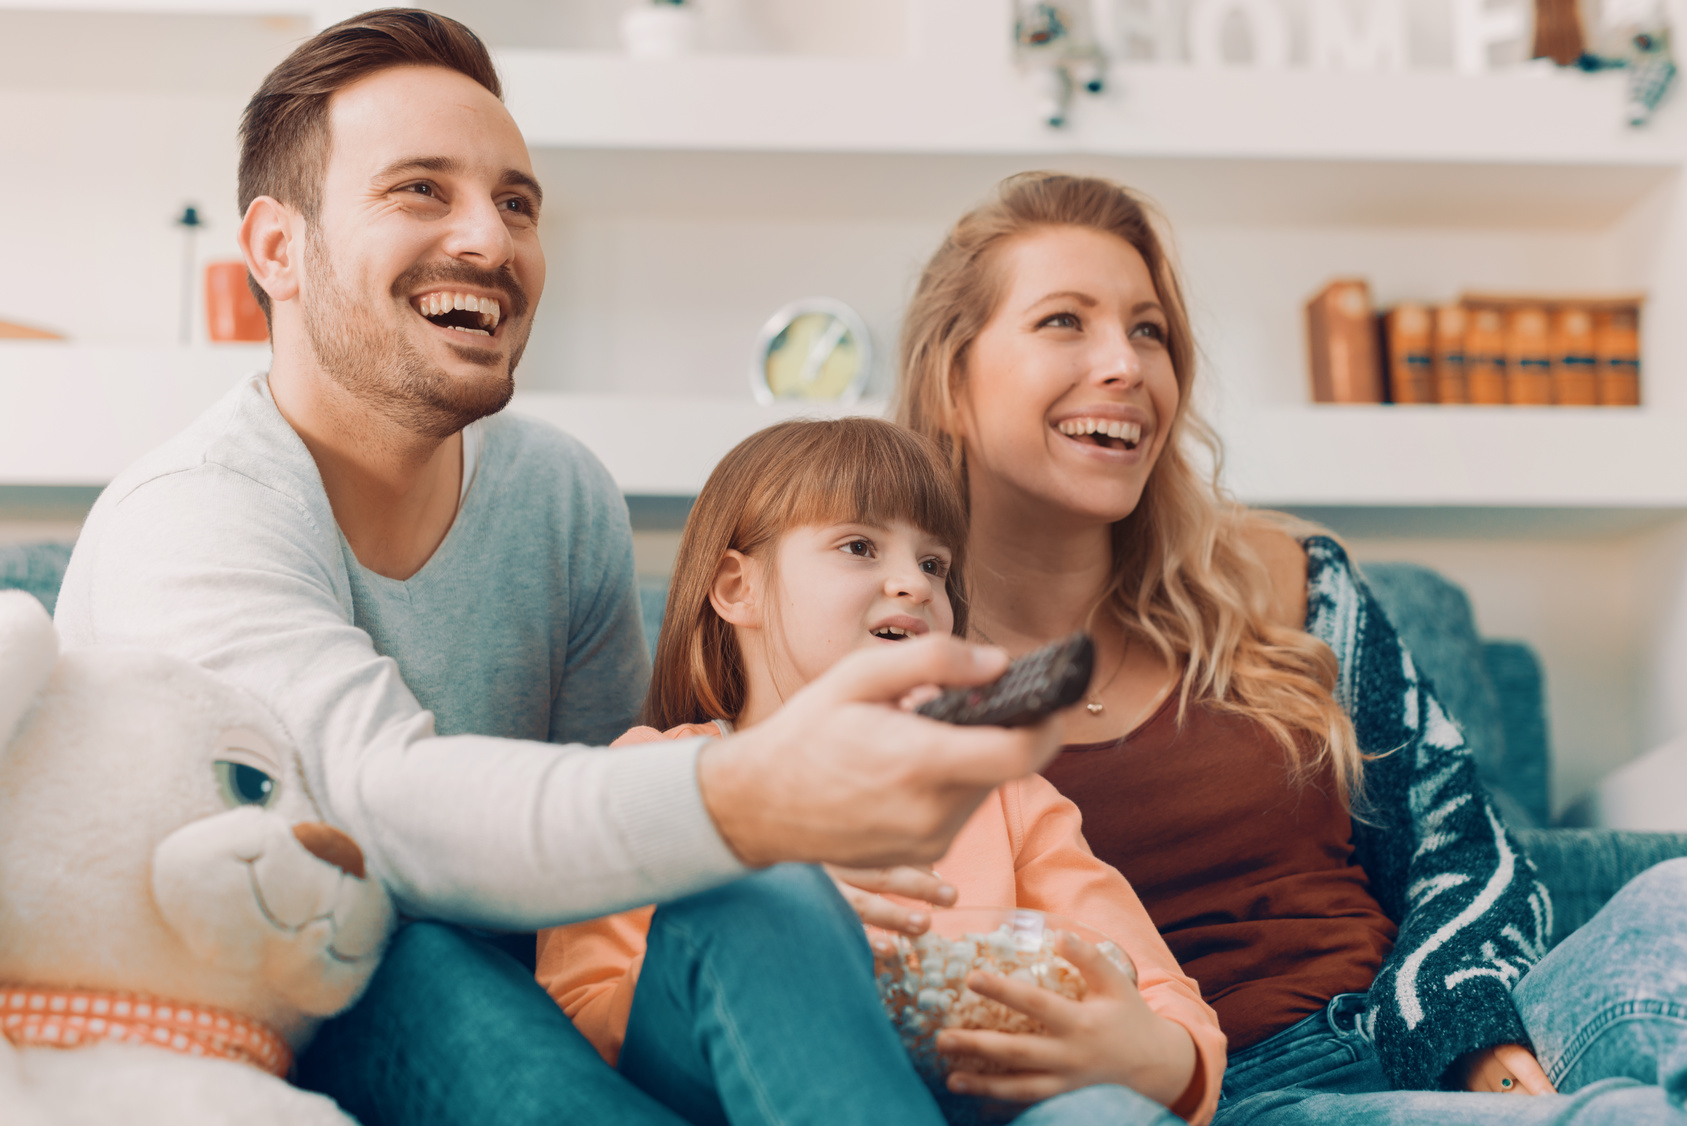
(874, 474)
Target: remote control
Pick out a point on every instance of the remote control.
(1038, 684)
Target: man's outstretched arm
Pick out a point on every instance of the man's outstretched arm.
(505, 833)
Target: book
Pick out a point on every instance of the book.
(1411, 370)
(1616, 349)
(1342, 344)
(1484, 356)
(1451, 385)
(1573, 360)
(1528, 356)
(10, 331)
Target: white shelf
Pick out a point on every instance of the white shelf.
(579, 100)
(769, 136)
(76, 415)
(1472, 457)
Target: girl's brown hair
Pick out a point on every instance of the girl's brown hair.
(788, 476)
(1185, 578)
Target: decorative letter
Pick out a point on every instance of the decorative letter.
(1268, 32)
(1476, 27)
(1138, 29)
(1374, 40)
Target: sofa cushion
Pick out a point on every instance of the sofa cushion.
(35, 567)
(1434, 620)
(1582, 868)
(1515, 674)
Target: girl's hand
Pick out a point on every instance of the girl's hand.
(1111, 1036)
(1506, 1069)
(865, 888)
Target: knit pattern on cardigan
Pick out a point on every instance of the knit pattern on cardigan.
(1472, 917)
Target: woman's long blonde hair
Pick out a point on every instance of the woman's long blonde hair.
(1185, 579)
(788, 476)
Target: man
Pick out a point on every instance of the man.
(432, 597)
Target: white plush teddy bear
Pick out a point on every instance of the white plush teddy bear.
(174, 920)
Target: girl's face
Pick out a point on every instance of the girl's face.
(848, 586)
(1068, 392)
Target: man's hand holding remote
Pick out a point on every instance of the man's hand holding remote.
(841, 774)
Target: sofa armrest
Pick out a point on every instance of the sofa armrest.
(1583, 868)
(35, 567)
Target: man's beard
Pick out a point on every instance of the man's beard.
(385, 369)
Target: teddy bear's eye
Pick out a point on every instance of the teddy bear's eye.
(244, 785)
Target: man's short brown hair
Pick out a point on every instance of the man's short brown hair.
(284, 139)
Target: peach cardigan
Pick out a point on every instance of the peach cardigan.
(1024, 847)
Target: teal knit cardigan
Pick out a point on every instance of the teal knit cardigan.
(1472, 917)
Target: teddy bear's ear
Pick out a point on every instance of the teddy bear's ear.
(29, 648)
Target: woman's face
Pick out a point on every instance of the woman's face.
(1068, 392)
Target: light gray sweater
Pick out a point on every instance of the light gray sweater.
(427, 711)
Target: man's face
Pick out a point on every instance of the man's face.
(424, 266)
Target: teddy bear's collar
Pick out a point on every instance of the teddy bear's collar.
(73, 1018)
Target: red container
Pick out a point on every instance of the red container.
(231, 312)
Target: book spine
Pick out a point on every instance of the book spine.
(1574, 364)
(1411, 368)
(1484, 357)
(1616, 336)
(1341, 345)
(1529, 357)
(1451, 383)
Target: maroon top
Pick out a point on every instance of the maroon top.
(1250, 878)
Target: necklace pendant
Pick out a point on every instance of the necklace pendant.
(1094, 707)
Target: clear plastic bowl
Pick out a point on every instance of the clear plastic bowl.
(922, 981)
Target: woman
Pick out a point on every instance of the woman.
(1258, 755)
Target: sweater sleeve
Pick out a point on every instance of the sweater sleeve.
(1055, 871)
(1472, 917)
(218, 568)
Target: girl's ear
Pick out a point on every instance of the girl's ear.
(735, 592)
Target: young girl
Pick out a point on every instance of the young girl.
(810, 540)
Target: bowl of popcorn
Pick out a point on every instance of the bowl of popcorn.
(922, 981)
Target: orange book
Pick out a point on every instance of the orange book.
(1573, 361)
(1616, 349)
(1342, 344)
(1411, 369)
(25, 332)
(1451, 385)
(1528, 356)
(1484, 357)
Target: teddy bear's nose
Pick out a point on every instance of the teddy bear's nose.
(327, 843)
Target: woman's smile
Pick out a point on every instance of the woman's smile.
(1077, 348)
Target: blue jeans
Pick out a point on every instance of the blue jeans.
(1606, 1009)
(755, 1004)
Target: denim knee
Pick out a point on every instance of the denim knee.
(795, 900)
